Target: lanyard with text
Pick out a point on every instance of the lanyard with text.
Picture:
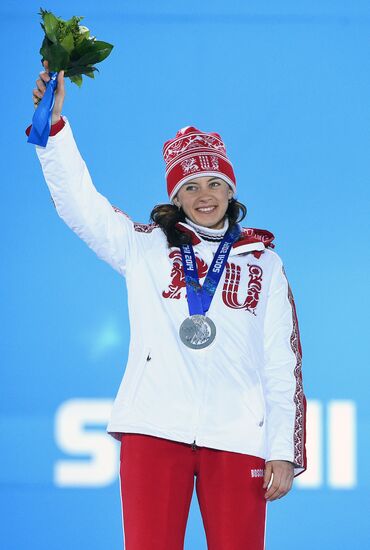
(199, 331)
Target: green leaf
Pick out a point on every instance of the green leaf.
(51, 26)
(55, 54)
(79, 69)
(67, 43)
(81, 47)
(44, 50)
(77, 79)
(89, 71)
(75, 19)
(82, 36)
(93, 52)
(90, 74)
(42, 12)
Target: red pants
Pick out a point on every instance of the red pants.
(157, 481)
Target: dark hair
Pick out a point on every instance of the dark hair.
(167, 216)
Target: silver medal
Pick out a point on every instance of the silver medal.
(197, 331)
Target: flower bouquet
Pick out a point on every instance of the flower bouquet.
(67, 46)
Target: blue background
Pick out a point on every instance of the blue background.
(287, 85)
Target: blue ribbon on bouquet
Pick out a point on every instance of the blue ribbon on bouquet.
(41, 121)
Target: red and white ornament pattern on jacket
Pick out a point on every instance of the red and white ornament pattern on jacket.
(244, 392)
(230, 290)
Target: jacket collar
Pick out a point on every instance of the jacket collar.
(251, 239)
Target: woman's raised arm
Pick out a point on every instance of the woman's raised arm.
(109, 233)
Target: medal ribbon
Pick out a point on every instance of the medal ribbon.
(41, 121)
(200, 297)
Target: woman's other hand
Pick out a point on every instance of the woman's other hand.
(282, 473)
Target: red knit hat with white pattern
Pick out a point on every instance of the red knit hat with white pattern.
(193, 153)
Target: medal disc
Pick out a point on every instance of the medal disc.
(197, 331)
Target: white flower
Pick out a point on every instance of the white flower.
(83, 29)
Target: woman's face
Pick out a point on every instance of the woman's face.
(205, 200)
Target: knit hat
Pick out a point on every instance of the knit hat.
(193, 153)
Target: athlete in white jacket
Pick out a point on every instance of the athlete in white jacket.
(243, 392)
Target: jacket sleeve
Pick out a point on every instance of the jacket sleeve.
(282, 375)
(106, 230)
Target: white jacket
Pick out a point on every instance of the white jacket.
(244, 392)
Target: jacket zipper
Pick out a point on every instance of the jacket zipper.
(194, 446)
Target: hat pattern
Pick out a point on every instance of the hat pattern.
(193, 151)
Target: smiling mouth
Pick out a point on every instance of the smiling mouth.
(206, 209)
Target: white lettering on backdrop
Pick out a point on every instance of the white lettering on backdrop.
(92, 456)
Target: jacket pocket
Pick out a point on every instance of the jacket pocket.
(255, 402)
(140, 372)
(261, 409)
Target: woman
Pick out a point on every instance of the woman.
(213, 384)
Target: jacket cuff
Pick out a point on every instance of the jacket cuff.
(55, 128)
